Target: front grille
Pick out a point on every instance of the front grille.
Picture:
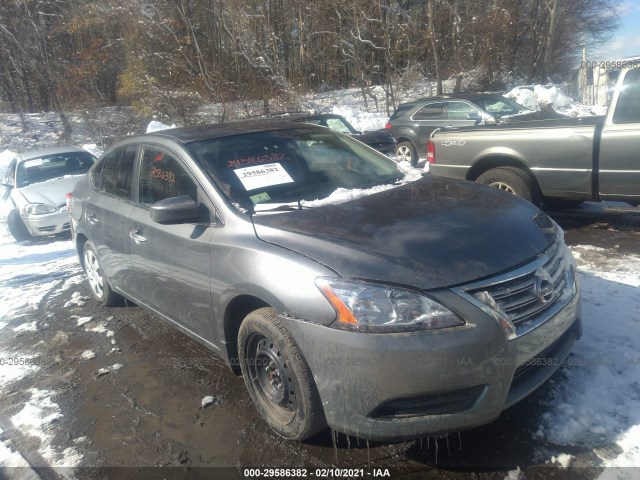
(531, 292)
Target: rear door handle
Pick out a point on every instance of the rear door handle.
(93, 219)
(135, 235)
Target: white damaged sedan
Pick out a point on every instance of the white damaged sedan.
(37, 183)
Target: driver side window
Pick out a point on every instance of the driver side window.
(163, 176)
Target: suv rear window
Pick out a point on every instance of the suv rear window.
(401, 110)
(431, 111)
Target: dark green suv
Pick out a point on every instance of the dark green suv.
(412, 122)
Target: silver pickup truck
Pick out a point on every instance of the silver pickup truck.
(557, 161)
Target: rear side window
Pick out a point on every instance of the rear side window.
(117, 172)
(163, 176)
(400, 111)
(431, 111)
(460, 110)
(628, 107)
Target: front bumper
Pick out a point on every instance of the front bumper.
(47, 224)
(401, 386)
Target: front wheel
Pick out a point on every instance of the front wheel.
(16, 225)
(511, 180)
(406, 152)
(278, 377)
(100, 287)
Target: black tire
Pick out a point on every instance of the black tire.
(17, 227)
(278, 377)
(512, 180)
(98, 282)
(405, 151)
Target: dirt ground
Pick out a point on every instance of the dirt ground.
(145, 420)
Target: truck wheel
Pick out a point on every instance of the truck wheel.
(17, 228)
(278, 377)
(100, 287)
(406, 152)
(512, 180)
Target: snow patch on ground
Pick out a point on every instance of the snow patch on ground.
(597, 405)
(11, 370)
(30, 270)
(206, 401)
(11, 459)
(38, 419)
(83, 320)
(99, 328)
(27, 327)
(112, 368)
(76, 300)
(88, 355)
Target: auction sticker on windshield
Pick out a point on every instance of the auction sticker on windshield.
(261, 176)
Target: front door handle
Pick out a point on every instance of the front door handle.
(135, 235)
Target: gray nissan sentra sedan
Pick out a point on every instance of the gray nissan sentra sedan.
(346, 292)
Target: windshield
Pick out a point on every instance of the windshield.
(500, 106)
(290, 166)
(37, 170)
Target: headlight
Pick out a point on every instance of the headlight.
(39, 209)
(371, 307)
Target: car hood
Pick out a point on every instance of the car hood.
(430, 234)
(52, 192)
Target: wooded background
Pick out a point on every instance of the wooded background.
(170, 56)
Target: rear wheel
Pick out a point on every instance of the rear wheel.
(278, 377)
(406, 152)
(17, 227)
(512, 180)
(100, 287)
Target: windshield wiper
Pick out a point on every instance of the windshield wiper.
(279, 207)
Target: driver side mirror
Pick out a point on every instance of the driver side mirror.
(174, 210)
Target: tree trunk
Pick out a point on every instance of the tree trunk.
(548, 50)
(434, 46)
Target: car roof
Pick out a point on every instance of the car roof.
(453, 96)
(187, 135)
(41, 152)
